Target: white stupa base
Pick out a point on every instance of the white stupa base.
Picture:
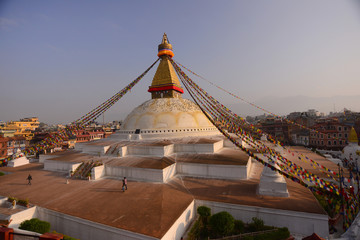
(18, 162)
(273, 185)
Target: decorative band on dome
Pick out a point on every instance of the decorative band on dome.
(154, 89)
(165, 52)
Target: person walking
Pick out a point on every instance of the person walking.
(124, 186)
(29, 178)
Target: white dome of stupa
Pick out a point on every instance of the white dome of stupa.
(166, 113)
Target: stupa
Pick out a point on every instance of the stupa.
(352, 150)
(175, 160)
(167, 114)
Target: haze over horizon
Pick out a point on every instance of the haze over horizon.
(60, 60)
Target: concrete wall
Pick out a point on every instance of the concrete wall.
(43, 157)
(122, 151)
(95, 149)
(148, 150)
(299, 223)
(212, 170)
(165, 133)
(199, 147)
(52, 165)
(84, 229)
(97, 172)
(169, 172)
(137, 174)
(248, 167)
(180, 226)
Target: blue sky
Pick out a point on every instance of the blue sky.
(60, 59)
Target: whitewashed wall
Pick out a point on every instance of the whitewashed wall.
(84, 229)
(137, 174)
(180, 226)
(52, 165)
(299, 223)
(212, 170)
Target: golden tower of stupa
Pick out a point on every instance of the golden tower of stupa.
(165, 83)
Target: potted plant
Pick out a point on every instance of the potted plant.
(24, 203)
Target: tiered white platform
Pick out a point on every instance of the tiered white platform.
(156, 160)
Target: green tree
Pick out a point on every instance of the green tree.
(256, 225)
(204, 213)
(221, 224)
(239, 227)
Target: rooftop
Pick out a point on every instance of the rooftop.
(103, 201)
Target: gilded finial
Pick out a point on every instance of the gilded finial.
(165, 39)
(165, 48)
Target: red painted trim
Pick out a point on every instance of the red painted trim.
(154, 89)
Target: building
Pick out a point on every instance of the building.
(329, 134)
(277, 127)
(15, 144)
(3, 147)
(23, 128)
(91, 134)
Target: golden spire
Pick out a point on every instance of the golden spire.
(165, 83)
(353, 136)
(165, 48)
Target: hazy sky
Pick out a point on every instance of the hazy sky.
(60, 59)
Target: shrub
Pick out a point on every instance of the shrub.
(221, 224)
(23, 202)
(66, 237)
(2, 174)
(203, 229)
(239, 227)
(280, 234)
(256, 225)
(11, 199)
(35, 225)
(195, 231)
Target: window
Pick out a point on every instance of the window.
(340, 135)
(329, 143)
(339, 129)
(334, 142)
(334, 134)
(345, 135)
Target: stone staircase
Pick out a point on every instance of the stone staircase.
(84, 170)
(112, 151)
